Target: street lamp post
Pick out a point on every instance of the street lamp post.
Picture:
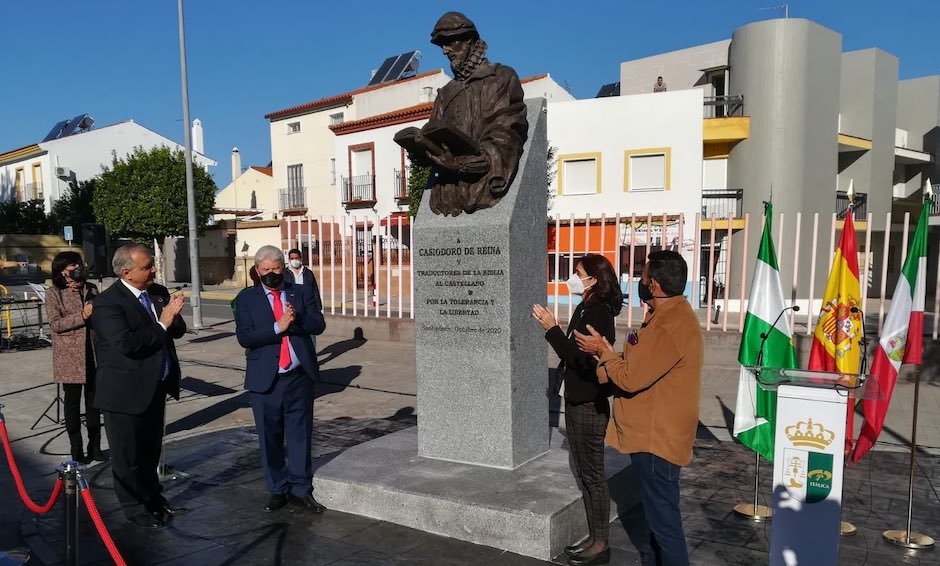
(190, 192)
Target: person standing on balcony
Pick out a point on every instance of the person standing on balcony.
(659, 85)
(587, 410)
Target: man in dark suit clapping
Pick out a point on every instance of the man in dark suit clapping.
(275, 322)
(135, 322)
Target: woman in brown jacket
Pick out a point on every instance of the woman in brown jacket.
(68, 306)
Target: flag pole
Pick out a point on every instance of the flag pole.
(906, 538)
(754, 511)
(846, 528)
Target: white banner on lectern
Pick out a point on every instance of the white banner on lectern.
(808, 468)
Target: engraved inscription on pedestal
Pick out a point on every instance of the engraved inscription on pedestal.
(463, 289)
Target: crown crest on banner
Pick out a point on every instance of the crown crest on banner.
(809, 434)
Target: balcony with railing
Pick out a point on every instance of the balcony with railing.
(935, 205)
(293, 200)
(724, 106)
(401, 185)
(722, 203)
(860, 205)
(359, 191)
(29, 191)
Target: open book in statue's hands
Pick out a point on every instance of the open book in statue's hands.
(436, 138)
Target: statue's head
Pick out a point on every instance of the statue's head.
(455, 34)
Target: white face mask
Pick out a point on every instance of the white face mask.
(295, 263)
(576, 284)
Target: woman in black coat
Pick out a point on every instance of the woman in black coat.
(587, 411)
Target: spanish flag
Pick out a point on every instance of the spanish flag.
(837, 339)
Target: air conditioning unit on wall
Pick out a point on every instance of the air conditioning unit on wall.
(63, 173)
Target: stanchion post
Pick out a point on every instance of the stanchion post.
(754, 511)
(906, 538)
(68, 472)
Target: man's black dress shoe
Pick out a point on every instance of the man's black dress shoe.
(147, 521)
(602, 557)
(171, 511)
(277, 501)
(308, 503)
(576, 549)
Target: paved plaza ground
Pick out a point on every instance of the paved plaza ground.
(368, 390)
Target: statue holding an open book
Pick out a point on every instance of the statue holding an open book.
(474, 138)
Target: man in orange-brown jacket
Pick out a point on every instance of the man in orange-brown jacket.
(655, 409)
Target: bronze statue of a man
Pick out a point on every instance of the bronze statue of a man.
(474, 138)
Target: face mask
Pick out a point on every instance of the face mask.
(77, 274)
(644, 291)
(272, 280)
(295, 263)
(576, 285)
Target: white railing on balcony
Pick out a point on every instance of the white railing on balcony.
(29, 191)
(364, 268)
(293, 198)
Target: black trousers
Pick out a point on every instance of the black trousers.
(136, 441)
(73, 411)
(586, 425)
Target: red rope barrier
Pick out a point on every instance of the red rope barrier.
(102, 530)
(35, 508)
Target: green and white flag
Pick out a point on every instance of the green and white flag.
(756, 408)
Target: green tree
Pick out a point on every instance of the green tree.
(27, 217)
(417, 180)
(74, 208)
(143, 196)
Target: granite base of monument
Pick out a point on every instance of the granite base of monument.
(534, 510)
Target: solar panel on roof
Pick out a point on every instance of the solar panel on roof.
(55, 131)
(612, 89)
(403, 64)
(73, 125)
(379, 75)
(397, 67)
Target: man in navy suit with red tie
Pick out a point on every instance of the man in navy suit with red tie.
(275, 322)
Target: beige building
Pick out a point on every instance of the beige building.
(306, 178)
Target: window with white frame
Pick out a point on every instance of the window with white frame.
(336, 118)
(648, 172)
(293, 127)
(295, 176)
(579, 176)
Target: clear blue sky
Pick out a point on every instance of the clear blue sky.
(119, 59)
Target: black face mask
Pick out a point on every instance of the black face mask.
(644, 291)
(78, 274)
(272, 280)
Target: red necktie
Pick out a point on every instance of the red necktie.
(284, 360)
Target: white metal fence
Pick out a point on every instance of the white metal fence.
(363, 262)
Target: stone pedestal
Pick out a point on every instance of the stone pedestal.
(534, 510)
(480, 356)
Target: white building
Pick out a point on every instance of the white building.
(306, 173)
(622, 153)
(43, 170)
(250, 193)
